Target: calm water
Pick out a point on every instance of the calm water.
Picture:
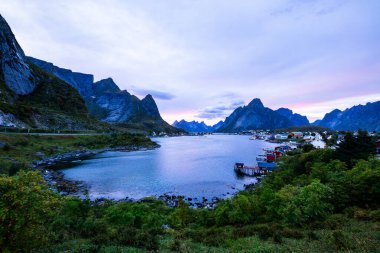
(196, 167)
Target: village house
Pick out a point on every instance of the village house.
(318, 137)
(308, 137)
(297, 134)
(281, 136)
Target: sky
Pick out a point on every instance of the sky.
(201, 59)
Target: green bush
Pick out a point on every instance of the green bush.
(264, 231)
(215, 236)
(375, 215)
(365, 177)
(292, 233)
(27, 207)
(182, 215)
(6, 147)
(339, 240)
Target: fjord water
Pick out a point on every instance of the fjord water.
(193, 166)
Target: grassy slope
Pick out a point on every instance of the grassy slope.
(350, 235)
(23, 148)
(53, 104)
(150, 126)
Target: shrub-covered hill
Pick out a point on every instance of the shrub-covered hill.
(52, 105)
(317, 201)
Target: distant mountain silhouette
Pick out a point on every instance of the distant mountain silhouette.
(196, 127)
(254, 116)
(365, 117)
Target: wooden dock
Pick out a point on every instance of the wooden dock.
(250, 170)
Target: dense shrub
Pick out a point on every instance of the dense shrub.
(365, 178)
(27, 207)
(312, 194)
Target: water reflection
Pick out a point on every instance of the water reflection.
(191, 166)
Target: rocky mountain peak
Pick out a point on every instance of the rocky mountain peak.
(256, 103)
(149, 98)
(105, 85)
(16, 72)
(150, 106)
(285, 111)
(295, 119)
(332, 115)
(193, 126)
(80, 81)
(253, 116)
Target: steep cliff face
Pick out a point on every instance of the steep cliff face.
(150, 108)
(120, 106)
(365, 117)
(105, 86)
(15, 71)
(81, 82)
(30, 97)
(108, 103)
(254, 116)
(295, 118)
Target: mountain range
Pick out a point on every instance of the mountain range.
(252, 116)
(107, 102)
(256, 116)
(196, 127)
(36, 93)
(365, 117)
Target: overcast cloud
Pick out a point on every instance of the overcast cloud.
(200, 58)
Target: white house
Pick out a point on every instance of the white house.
(281, 136)
(308, 138)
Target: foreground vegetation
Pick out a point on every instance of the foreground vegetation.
(317, 201)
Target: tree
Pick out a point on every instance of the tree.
(307, 147)
(365, 178)
(244, 209)
(352, 148)
(182, 215)
(313, 201)
(27, 206)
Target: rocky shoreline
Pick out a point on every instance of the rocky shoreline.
(173, 201)
(50, 166)
(53, 161)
